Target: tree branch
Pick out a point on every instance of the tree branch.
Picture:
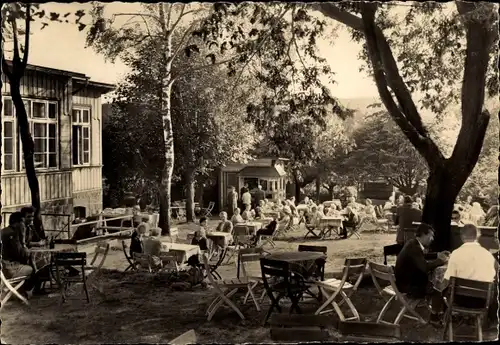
(181, 43)
(24, 62)
(6, 68)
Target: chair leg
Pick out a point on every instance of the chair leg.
(13, 291)
(225, 298)
(479, 327)
(384, 309)
(250, 291)
(329, 300)
(351, 306)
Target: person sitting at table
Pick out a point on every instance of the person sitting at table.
(476, 213)
(268, 230)
(455, 218)
(355, 206)
(469, 261)
(152, 246)
(389, 204)
(16, 256)
(305, 201)
(351, 220)
(334, 210)
(367, 214)
(224, 225)
(136, 240)
(200, 236)
(412, 269)
(237, 218)
(33, 237)
(260, 209)
(406, 215)
(314, 217)
(247, 213)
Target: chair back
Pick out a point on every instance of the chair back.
(246, 251)
(353, 267)
(382, 272)
(272, 269)
(169, 261)
(317, 249)
(143, 260)
(211, 206)
(101, 250)
(125, 252)
(188, 337)
(246, 260)
(470, 289)
(409, 234)
(64, 259)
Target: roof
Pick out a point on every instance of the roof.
(78, 77)
(275, 172)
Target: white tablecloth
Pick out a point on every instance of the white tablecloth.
(331, 221)
(221, 238)
(183, 251)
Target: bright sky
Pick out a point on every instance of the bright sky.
(62, 46)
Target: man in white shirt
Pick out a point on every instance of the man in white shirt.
(246, 199)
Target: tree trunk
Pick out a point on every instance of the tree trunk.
(190, 191)
(1, 142)
(331, 191)
(442, 189)
(28, 152)
(297, 188)
(318, 188)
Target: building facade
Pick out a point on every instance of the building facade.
(65, 112)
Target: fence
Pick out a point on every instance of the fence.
(54, 224)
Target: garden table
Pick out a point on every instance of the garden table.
(304, 263)
(42, 256)
(253, 226)
(220, 238)
(327, 224)
(182, 251)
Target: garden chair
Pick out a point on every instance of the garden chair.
(241, 239)
(354, 230)
(77, 261)
(278, 280)
(168, 262)
(11, 287)
(215, 260)
(130, 260)
(409, 234)
(342, 287)
(386, 273)
(299, 328)
(318, 249)
(269, 239)
(466, 288)
(188, 337)
(391, 250)
(207, 212)
(245, 258)
(225, 289)
(143, 262)
(365, 332)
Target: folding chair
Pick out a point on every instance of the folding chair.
(364, 332)
(130, 260)
(169, 262)
(241, 239)
(12, 286)
(318, 249)
(225, 289)
(297, 328)
(386, 273)
(64, 260)
(215, 261)
(143, 262)
(245, 257)
(353, 230)
(391, 250)
(409, 234)
(207, 212)
(343, 288)
(310, 228)
(188, 337)
(465, 288)
(277, 278)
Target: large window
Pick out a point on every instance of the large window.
(81, 136)
(42, 117)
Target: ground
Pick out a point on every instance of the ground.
(136, 308)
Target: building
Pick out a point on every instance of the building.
(270, 173)
(64, 111)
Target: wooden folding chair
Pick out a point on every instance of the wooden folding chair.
(311, 230)
(386, 273)
(77, 261)
(207, 212)
(188, 337)
(244, 259)
(391, 250)
(354, 230)
(143, 262)
(12, 286)
(364, 332)
(465, 288)
(342, 287)
(168, 262)
(297, 328)
(225, 289)
(241, 239)
(130, 260)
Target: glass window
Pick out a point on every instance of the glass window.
(8, 108)
(81, 136)
(39, 110)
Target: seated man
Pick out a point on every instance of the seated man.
(351, 220)
(267, 230)
(15, 255)
(455, 218)
(152, 246)
(136, 241)
(32, 237)
(412, 268)
(247, 213)
(314, 217)
(200, 236)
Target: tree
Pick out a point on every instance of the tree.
(11, 31)
(382, 151)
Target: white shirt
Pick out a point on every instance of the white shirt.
(246, 198)
(471, 261)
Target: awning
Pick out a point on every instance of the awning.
(264, 172)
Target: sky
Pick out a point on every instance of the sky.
(62, 46)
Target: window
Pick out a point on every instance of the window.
(81, 136)
(42, 117)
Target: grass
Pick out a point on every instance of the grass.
(136, 308)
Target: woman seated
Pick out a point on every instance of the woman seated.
(267, 230)
(333, 211)
(476, 214)
(248, 214)
(152, 246)
(224, 225)
(351, 221)
(314, 217)
(136, 241)
(200, 236)
(237, 218)
(367, 214)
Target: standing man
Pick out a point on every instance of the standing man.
(406, 215)
(32, 236)
(259, 195)
(232, 201)
(246, 199)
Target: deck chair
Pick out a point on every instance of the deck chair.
(130, 260)
(188, 337)
(299, 328)
(366, 332)
(12, 286)
(386, 273)
(343, 288)
(225, 289)
(466, 288)
(207, 212)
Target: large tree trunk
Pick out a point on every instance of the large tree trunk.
(297, 187)
(1, 142)
(318, 188)
(28, 152)
(190, 192)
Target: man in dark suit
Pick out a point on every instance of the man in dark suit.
(259, 195)
(412, 268)
(405, 216)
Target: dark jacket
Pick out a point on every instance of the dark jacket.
(405, 216)
(259, 195)
(202, 243)
(136, 245)
(12, 247)
(34, 236)
(412, 269)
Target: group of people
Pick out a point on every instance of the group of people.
(146, 240)
(17, 239)
(469, 261)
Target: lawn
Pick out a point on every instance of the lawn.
(136, 308)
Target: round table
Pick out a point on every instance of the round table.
(304, 263)
(42, 256)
